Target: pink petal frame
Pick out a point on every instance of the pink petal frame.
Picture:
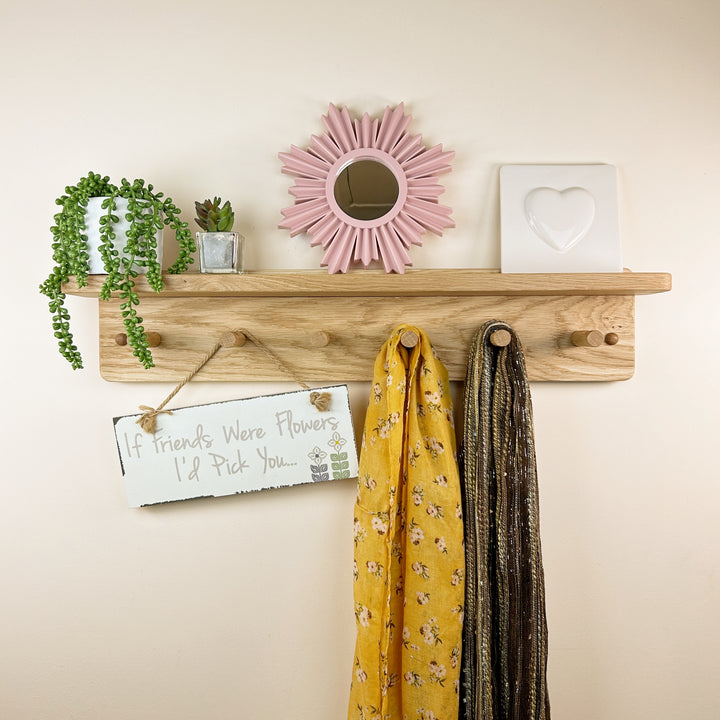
(388, 237)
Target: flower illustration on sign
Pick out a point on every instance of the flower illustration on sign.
(339, 459)
(318, 469)
(317, 455)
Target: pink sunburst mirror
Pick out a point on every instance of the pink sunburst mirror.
(366, 190)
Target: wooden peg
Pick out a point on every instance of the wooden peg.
(319, 339)
(232, 338)
(500, 338)
(612, 339)
(409, 339)
(587, 338)
(154, 339)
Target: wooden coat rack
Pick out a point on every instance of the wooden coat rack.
(331, 327)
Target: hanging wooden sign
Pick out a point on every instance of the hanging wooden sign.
(237, 446)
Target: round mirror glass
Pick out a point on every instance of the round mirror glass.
(366, 189)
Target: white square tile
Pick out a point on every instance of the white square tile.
(559, 219)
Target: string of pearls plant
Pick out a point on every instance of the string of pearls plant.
(148, 212)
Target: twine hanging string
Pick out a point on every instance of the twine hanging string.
(148, 420)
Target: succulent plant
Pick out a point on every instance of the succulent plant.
(214, 217)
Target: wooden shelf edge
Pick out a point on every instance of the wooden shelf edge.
(373, 283)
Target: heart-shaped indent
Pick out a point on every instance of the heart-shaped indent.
(560, 218)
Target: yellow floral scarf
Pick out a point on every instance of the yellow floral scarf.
(408, 532)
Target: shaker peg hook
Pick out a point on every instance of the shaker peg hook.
(500, 338)
(153, 338)
(587, 338)
(409, 339)
(319, 339)
(233, 338)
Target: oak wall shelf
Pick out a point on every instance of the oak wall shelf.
(330, 327)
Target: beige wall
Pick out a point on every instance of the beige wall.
(241, 607)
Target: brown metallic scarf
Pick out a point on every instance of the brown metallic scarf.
(505, 630)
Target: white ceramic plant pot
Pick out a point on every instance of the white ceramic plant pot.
(221, 252)
(92, 230)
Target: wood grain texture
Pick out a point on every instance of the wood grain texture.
(371, 283)
(357, 327)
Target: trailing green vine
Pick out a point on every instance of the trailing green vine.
(147, 213)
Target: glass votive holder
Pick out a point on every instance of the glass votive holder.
(221, 252)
